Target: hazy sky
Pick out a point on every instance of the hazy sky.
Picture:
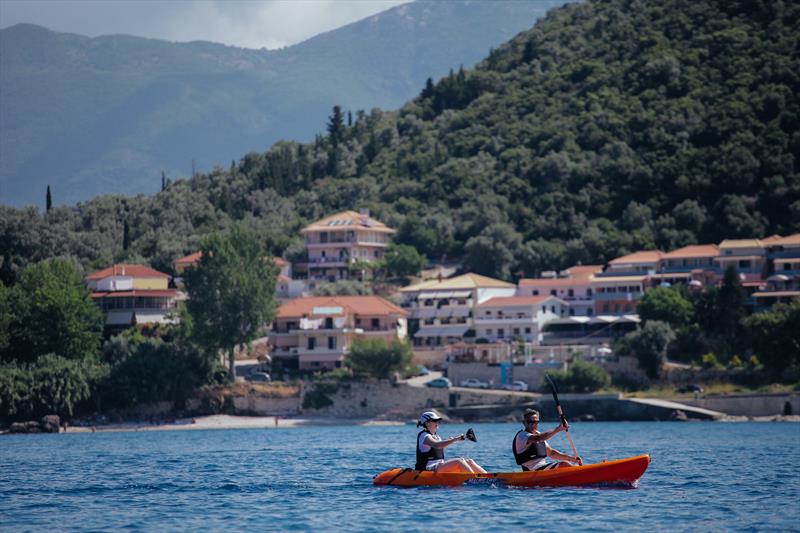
(245, 23)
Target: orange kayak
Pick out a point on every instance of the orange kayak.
(624, 472)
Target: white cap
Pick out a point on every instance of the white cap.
(427, 416)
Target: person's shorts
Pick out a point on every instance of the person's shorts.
(433, 465)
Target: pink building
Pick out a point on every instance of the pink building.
(572, 285)
(335, 243)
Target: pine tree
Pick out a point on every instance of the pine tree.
(336, 126)
(49, 201)
(163, 180)
(349, 119)
(126, 236)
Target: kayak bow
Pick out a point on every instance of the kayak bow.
(624, 472)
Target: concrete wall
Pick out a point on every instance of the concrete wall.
(532, 375)
(749, 404)
(398, 401)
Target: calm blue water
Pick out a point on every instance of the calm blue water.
(704, 476)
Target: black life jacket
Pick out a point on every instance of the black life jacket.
(537, 450)
(424, 457)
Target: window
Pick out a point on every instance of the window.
(570, 293)
(553, 293)
(744, 263)
(589, 293)
(627, 308)
(501, 332)
(358, 321)
(528, 331)
(516, 331)
(312, 343)
(535, 292)
(489, 331)
(571, 312)
(553, 308)
(331, 343)
(605, 308)
(376, 323)
(328, 323)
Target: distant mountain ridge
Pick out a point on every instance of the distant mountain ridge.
(105, 115)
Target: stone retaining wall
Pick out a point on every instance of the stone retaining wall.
(750, 404)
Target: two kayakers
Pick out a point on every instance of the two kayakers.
(430, 448)
(530, 447)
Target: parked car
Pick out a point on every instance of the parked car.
(474, 383)
(439, 383)
(516, 385)
(422, 371)
(691, 388)
(259, 376)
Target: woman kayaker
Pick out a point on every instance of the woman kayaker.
(530, 447)
(430, 448)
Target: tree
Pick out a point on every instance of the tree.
(649, 344)
(126, 236)
(48, 200)
(59, 384)
(51, 312)
(729, 311)
(404, 260)
(775, 336)
(378, 358)
(666, 304)
(491, 253)
(582, 376)
(231, 292)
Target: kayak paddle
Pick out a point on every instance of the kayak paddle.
(561, 413)
(470, 434)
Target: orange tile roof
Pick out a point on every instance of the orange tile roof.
(790, 239)
(772, 239)
(134, 271)
(191, 259)
(693, 250)
(348, 220)
(359, 305)
(649, 256)
(741, 243)
(501, 301)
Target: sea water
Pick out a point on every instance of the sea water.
(703, 477)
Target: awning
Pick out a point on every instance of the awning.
(776, 294)
(442, 332)
(570, 320)
(150, 318)
(441, 295)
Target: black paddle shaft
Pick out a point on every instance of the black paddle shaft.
(554, 390)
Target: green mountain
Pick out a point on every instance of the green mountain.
(609, 126)
(107, 115)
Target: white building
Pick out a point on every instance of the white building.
(517, 317)
(444, 310)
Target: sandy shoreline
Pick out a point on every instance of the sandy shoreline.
(272, 422)
(230, 422)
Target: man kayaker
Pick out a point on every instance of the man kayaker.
(531, 449)
(430, 448)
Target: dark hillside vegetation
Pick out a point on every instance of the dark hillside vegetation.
(608, 127)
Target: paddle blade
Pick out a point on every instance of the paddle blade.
(471, 435)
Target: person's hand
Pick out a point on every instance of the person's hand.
(578, 460)
(462, 437)
(564, 425)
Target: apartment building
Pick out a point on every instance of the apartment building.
(442, 311)
(335, 243)
(316, 333)
(572, 285)
(130, 295)
(747, 256)
(517, 317)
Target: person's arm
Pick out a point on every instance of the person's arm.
(545, 436)
(442, 443)
(555, 454)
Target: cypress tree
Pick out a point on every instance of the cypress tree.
(126, 236)
(336, 125)
(49, 201)
(163, 181)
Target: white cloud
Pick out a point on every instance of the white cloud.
(246, 23)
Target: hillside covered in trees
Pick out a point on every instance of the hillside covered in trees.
(608, 127)
(108, 114)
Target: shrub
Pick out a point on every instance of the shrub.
(379, 359)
